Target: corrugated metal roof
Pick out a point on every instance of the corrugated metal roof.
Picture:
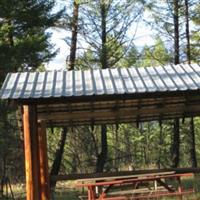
(101, 82)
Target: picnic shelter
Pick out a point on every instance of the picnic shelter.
(108, 96)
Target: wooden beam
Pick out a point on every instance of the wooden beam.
(118, 113)
(44, 170)
(132, 119)
(109, 104)
(31, 152)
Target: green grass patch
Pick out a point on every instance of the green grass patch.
(66, 195)
(65, 191)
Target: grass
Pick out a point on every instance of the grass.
(69, 194)
(74, 196)
(65, 191)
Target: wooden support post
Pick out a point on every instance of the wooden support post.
(155, 185)
(44, 171)
(180, 190)
(91, 193)
(31, 152)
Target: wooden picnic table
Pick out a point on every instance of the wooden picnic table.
(135, 182)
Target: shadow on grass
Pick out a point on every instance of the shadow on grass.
(66, 195)
(69, 194)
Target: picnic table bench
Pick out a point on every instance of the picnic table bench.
(142, 186)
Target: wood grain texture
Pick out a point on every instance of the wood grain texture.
(44, 171)
(31, 152)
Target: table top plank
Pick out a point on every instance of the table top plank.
(85, 176)
(125, 177)
(135, 179)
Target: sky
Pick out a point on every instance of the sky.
(143, 36)
(58, 62)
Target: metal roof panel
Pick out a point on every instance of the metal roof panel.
(139, 85)
(169, 84)
(11, 85)
(29, 87)
(150, 86)
(175, 77)
(101, 82)
(98, 82)
(109, 85)
(117, 81)
(68, 84)
(192, 73)
(185, 76)
(88, 83)
(22, 84)
(5, 90)
(58, 84)
(40, 84)
(48, 86)
(126, 80)
(78, 86)
(156, 79)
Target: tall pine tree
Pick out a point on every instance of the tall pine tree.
(195, 37)
(105, 31)
(24, 45)
(24, 39)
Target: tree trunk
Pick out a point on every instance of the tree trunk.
(60, 149)
(117, 147)
(188, 53)
(73, 48)
(187, 32)
(104, 57)
(58, 156)
(160, 153)
(176, 132)
(176, 33)
(101, 158)
(192, 144)
(176, 144)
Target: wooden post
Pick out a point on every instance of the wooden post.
(31, 152)
(180, 190)
(44, 171)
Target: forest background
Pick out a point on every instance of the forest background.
(101, 34)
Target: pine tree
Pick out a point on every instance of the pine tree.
(195, 37)
(155, 55)
(72, 58)
(74, 27)
(105, 31)
(188, 54)
(24, 39)
(168, 24)
(24, 45)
